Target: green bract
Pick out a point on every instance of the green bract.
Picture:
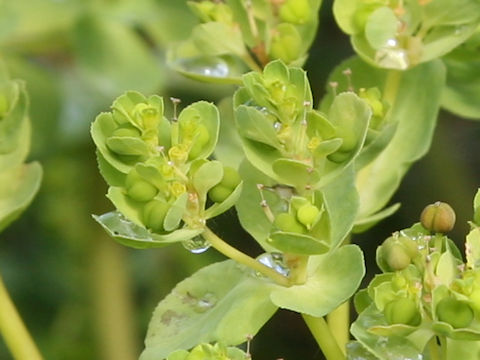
(235, 36)
(400, 35)
(19, 182)
(158, 171)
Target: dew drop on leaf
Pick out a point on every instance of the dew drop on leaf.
(196, 245)
(274, 261)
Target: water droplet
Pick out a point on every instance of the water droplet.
(196, 245)
(206, 302)
(274, 261)
(277, 126)
(206, 66)
(391, 56)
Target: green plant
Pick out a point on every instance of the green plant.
(309, 178)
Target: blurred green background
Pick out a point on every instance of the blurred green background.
(82, 295)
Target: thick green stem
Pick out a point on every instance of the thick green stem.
(325, 339)
(443, 347)
(242, 258)
(16, 335)
(339, 324)
(433, 348)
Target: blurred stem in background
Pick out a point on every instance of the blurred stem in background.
(16, 335)
(112, 298)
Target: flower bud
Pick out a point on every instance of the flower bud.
(295, 11)
(455, 312)
(230, 178)
(397, 252)
(307, 214)
(154, 213)
(138, 188)
(438, 217)
(288, 223)
(219, 193)
(402, 311)
(286, 43)
(178, 153)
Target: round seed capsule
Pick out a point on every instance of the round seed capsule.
(457, 313)
(154, 213)
(402, 311)
(219, 193)
(438, 217)
(307, 214)
(288, 223)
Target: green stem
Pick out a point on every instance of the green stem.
(16, 335)
(443, 347)
(251, 63)
(339, 323)
(392, 84)
(242, 258)
(434, 350)
(325, 339)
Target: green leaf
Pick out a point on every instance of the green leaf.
(341, 202)
(462, 349)
(206, 177)
(112, 176)
(207, 115)
(364, 224)
(332, 278)
(221, 302)
(175, 213)
(295, 173)
(130, 234)
(129, 208)
(381, 26)
(300, 244)
(356, 351)
(254, 125)
(250, 212)
(229, 145)
(18, 186)
(384, 348)
(127, 145)
(472, 248)
(219, 208)
(215, 38)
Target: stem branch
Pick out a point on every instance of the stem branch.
(16, 335)
(392, 84)
(325, 339)
(242, 258)
(339, 323)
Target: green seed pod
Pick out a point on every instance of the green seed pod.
(396, 255)
(286, 43)
(338, 156)
(288, 223)
(307, 214)
(138, 188)
(154, 213)
(438, 217)
(402, 311)
(219, 193)
(230, 178)
(126, 132)
(455, 312)
(295, 11)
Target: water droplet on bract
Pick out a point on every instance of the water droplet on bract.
(274, 261)
(211, 67)
(392, 57)
(197, 245)
(206, 302)
(277, 126)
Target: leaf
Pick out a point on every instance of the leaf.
(129, 208)
(332, 278)
(229, 145)
(356, 351)
(295, 173)
(299, 244)
(206, 177)
(207, 115)
(215, 38)
(381, 26)
(384, 348)
(175, 213)
(254, 125)
(128, 145)
(250, 213)
(341, 202)
(219, 208)
(472, 248)
(221, 302)
(132, 235)
(364, 224)
(112, 176)
(18, 186)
